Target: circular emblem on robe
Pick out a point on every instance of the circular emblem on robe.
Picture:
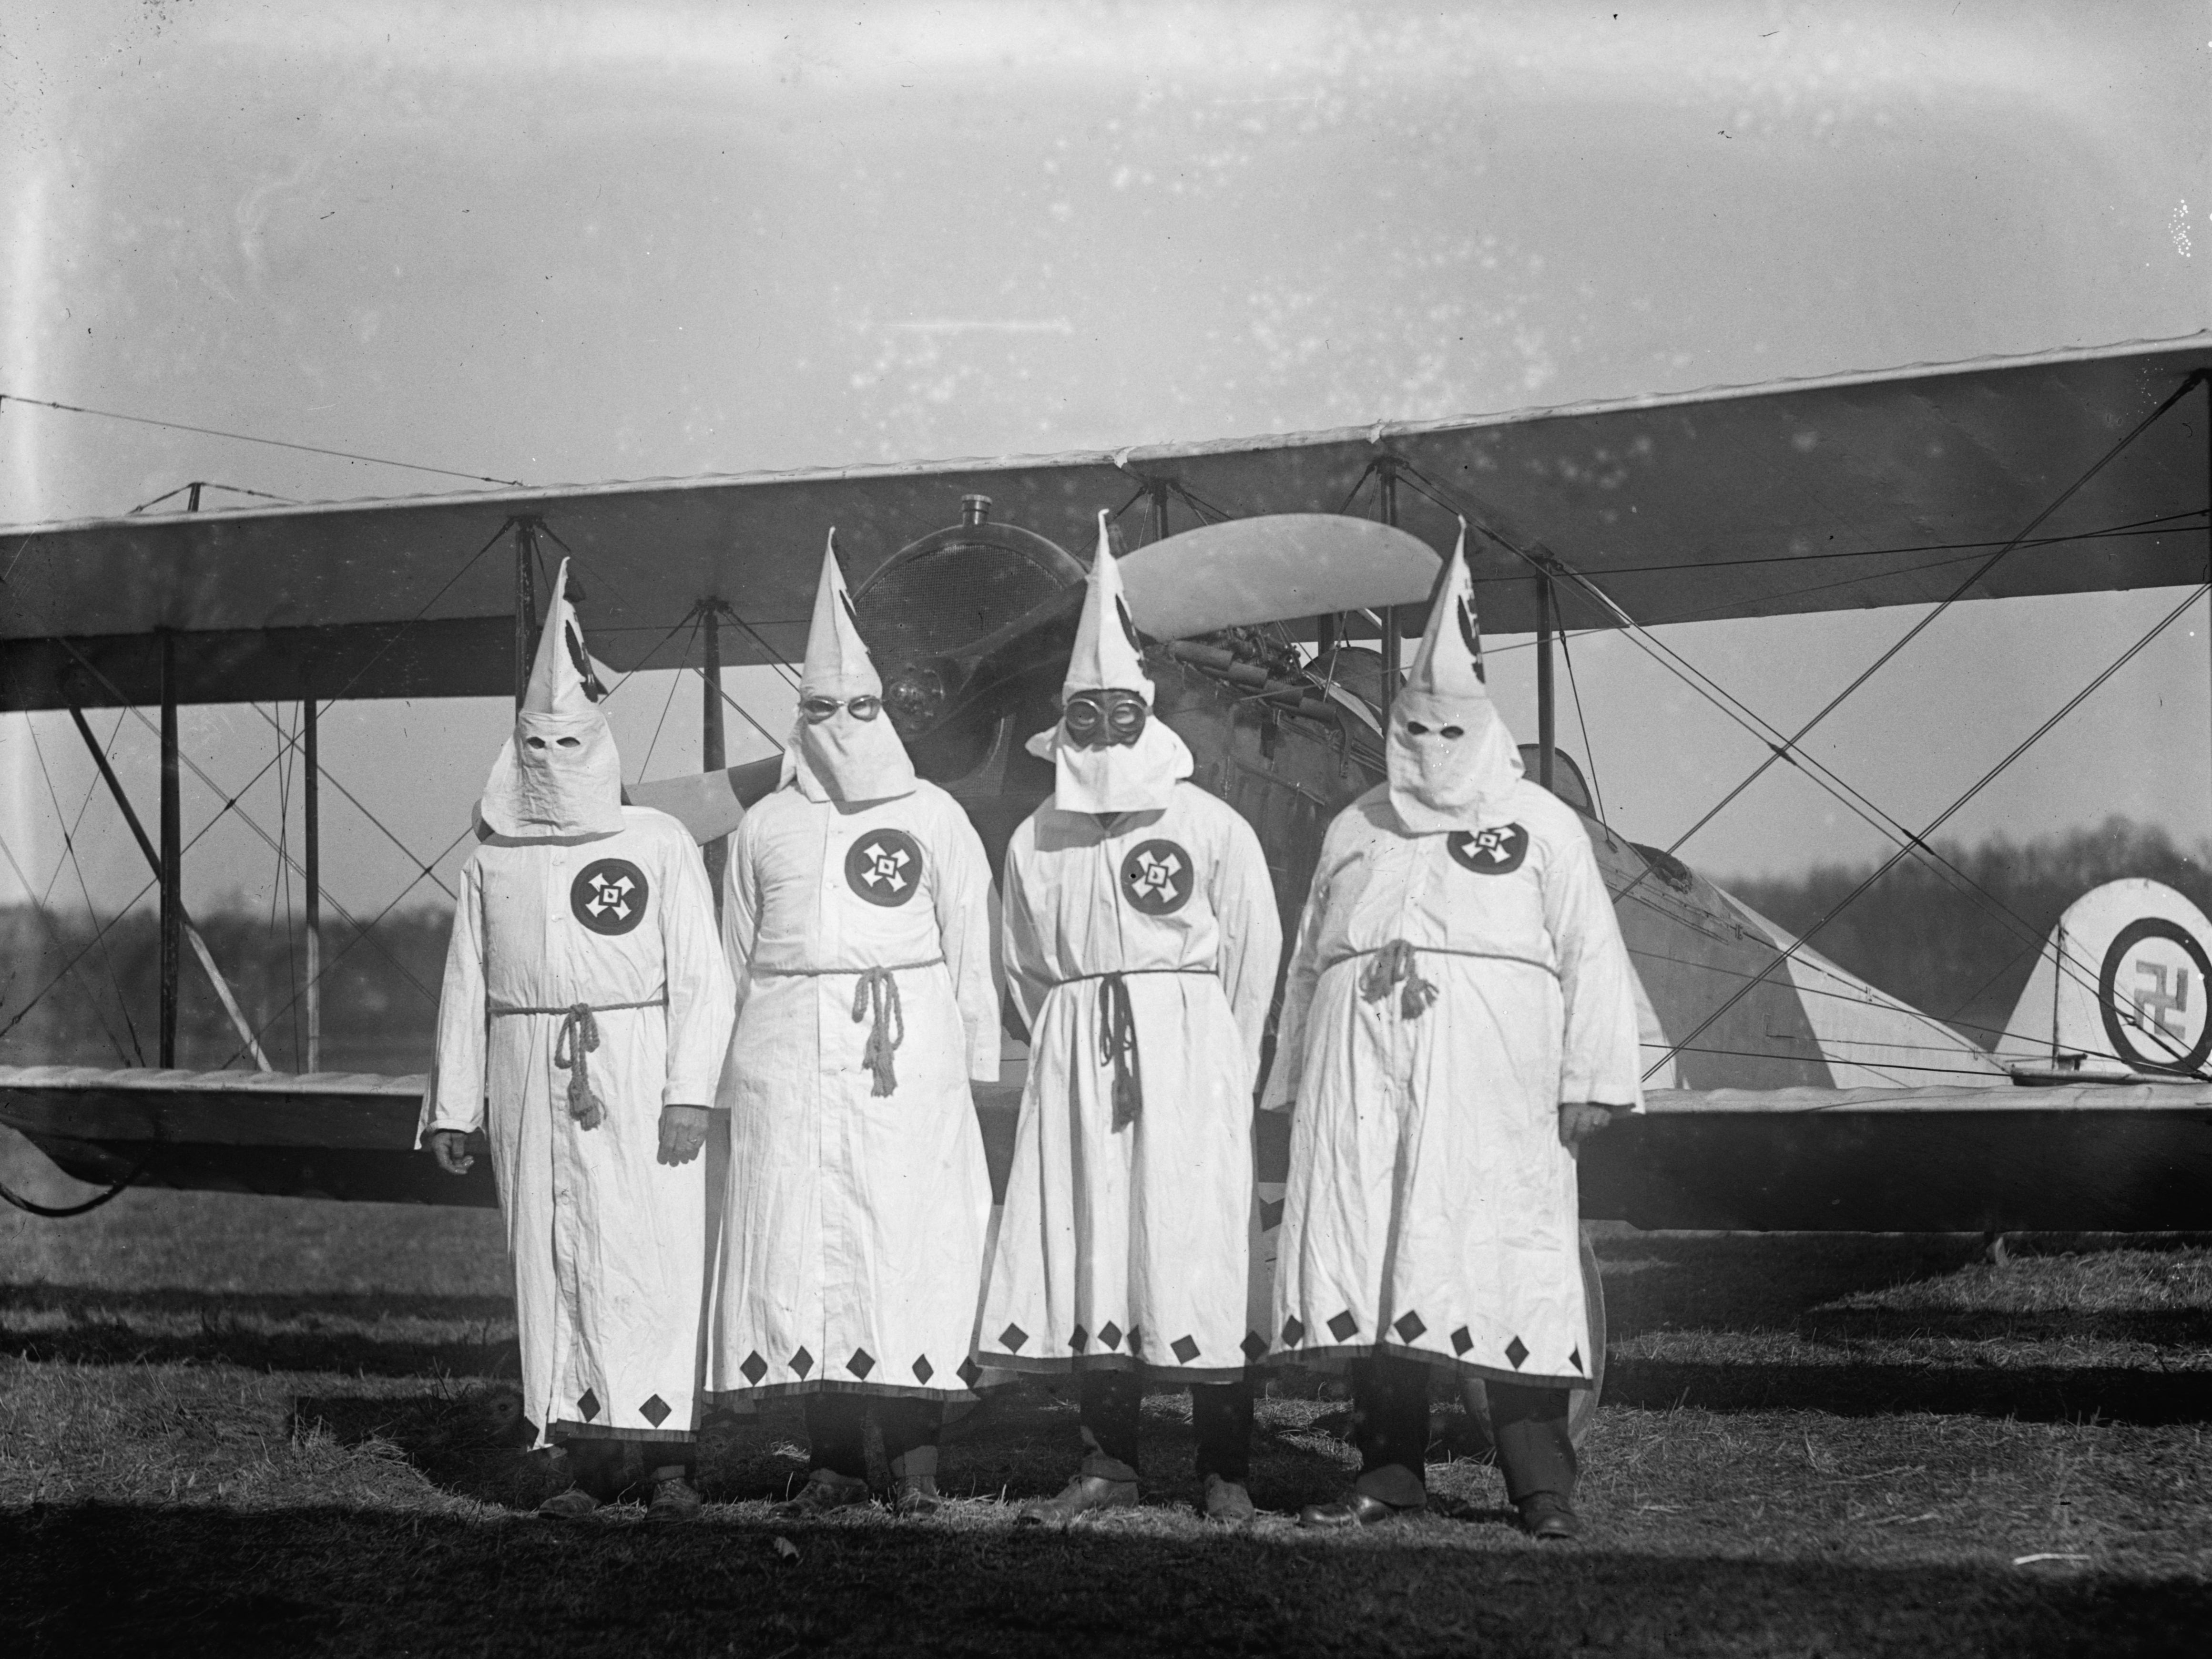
(1496, 851)
(1157, 877)
(2155, 1019)
(885, 867)
(609, 896)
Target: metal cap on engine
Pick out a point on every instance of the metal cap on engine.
(975, 509)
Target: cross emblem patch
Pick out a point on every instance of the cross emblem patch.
(885, 867)
(1157, 877)
(1496, 851)
(609, 896)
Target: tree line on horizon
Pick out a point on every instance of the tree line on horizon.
(1958, 949)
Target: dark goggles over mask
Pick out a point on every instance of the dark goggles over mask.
(1104, 720)
(818, 709)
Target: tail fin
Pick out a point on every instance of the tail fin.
(2121, 988)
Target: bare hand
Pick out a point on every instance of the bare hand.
(682, 1132)
(1579, 1120)
(450, 1148)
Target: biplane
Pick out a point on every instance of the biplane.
(1275, 579)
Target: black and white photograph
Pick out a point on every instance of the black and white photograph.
(1032, 827)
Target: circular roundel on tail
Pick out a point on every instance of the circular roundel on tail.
(2151, 992)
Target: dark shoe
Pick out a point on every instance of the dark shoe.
(1549, 1517)
(1079, 1497)
(673, 1499)
(1354, 1510)
(1227, 1501)
(573, 1504)
(916, 1495)
(825, 1490)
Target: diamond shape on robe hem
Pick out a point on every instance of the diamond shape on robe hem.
(1271, 1214)
(1012, 1339)
(654, 1410)
(1409, 1328)
(860, 1363)
(802, 1362)
(923, 1370)
(1254, 1344)
(1293, 1333)
(969, 1372)
(1463, 1340)
(1575, 1358)
(1343, 1325)
(754, 1368)
(1516, 1351)
(589, 1405)
(1079, 1339)
(1110, 1335)
(1185, 1350)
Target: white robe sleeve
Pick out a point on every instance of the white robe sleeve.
(1028, 974)
(1599, 1059)
(454, 1098)
(1284, 1076)
(1244, 901)
(701, 1005)
(963, 894)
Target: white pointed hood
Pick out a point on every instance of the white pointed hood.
(560, 774)
(1132, 777)
(843, 759)
(1439, 783)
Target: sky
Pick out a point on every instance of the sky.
(573, 243)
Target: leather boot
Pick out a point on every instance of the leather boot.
(825, 1490)
(573, 1504)
(674, 1498)
(1084, 1493)
(1227, 1503)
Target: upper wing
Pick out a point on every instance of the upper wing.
(1857, 490)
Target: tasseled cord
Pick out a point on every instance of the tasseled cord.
(580, 1035)
(1117, 1047)
(878, 994)
(1393, 965)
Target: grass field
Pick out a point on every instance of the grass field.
(250, 1425)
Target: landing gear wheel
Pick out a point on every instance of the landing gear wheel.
(1581, 1403)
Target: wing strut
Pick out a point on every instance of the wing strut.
(189, 932)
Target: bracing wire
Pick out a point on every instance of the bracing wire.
(1742, 714)
(1943, 817)
(250, 438)
(1589, 754)
(668, 702)
(54, 931)
(69, 857)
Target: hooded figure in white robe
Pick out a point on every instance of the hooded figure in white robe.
(856, 917)
(1140, 945)
(1459, 1011)
(582, 1023)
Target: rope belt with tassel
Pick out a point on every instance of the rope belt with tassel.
(1117, 1036)
(1393, 966)
(579, 1037)
(875, 998)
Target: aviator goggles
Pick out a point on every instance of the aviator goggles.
(818, 709)
(1104, 720)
